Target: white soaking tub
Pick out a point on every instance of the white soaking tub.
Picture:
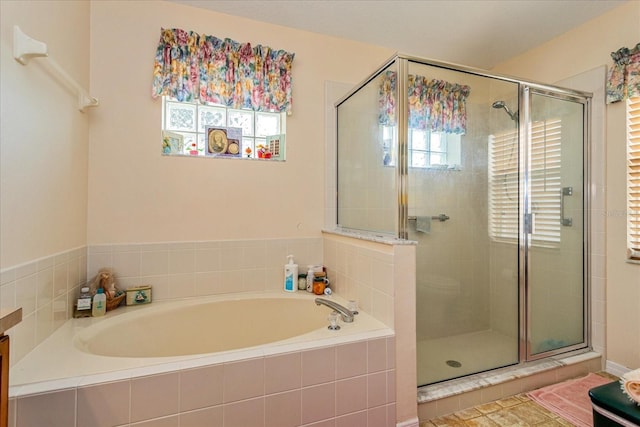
(169, 336)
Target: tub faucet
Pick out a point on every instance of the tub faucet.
(345, 313)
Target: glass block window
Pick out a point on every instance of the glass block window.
(191, 119)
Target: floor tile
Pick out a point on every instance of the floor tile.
(513, 411)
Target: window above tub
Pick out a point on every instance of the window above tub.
(221, 98)
(198, 129)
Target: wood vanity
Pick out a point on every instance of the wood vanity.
(9, 317)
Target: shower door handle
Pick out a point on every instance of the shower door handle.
(566, 191)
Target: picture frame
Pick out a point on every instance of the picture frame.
(276, 146)
(172, 143)
(223, 141)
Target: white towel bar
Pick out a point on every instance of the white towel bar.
(26, 48)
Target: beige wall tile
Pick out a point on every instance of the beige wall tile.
(243, 380)
(48, 409)
(325, 423)
(377, 355)
(245, 413)
(154, 263)
(283, 409)
(201, 387)
(377, 389)
(377, 417)
(170, 421)
(210, 417)
(318, 403)
(351, 360)
(318, 366)
(351, 395)
(104, 404)
(154, 396)
(282, 373)
(358, 419)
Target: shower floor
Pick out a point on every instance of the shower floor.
(473, 352)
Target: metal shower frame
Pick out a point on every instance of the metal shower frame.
(401, 62)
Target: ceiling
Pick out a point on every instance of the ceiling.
(477, 33)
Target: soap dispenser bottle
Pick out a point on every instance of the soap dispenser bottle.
(99, 303)
(290, 275)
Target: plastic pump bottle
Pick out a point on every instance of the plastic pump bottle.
(290, 275)
(99, 304)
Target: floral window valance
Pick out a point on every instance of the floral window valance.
(190, 66)
(624, 75)
(434, 105)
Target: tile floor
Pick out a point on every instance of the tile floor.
(514, 411)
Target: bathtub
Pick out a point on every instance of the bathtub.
(169, 337)
(202, 327)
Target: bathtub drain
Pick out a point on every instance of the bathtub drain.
(454, 363)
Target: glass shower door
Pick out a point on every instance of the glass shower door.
(554, 224)
(460, 190)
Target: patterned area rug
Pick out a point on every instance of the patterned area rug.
(570, 399)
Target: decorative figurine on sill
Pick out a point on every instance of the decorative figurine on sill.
(263, 152)
(166, 146)
(248, 151)
(106, 280)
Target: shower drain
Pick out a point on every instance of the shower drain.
(454, 363)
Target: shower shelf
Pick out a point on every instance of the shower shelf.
(26, 48)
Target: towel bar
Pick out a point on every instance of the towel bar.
(441, 217)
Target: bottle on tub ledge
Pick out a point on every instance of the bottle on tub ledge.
(99, 307)
(290, 275)
(83, 304)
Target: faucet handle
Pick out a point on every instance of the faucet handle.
(353, 306)
(333, 321)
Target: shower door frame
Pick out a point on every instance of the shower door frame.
(525, 87)
(524, 120)
(401, 62)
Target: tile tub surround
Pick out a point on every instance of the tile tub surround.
(75, 365)
(189, 269)
(379, 272)
(45, 289)
(342, 385)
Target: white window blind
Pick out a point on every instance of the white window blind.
(503, 186)
(544, 173)
(633, 178)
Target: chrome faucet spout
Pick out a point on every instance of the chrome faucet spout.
(345, 313)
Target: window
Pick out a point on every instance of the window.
(191, 119)
(545, 184)
(432, 150)
(633, 179)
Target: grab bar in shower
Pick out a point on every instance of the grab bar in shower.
(441, 218)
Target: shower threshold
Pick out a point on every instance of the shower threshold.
(583, 360)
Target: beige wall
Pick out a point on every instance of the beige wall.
(579, 50)
(43, 136)
(137, 195)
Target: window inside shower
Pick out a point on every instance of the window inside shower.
(435, 150)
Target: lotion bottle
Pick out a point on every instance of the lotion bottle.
(99, 303)
(290, 275)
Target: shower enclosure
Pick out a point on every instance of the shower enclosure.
(487, 174)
